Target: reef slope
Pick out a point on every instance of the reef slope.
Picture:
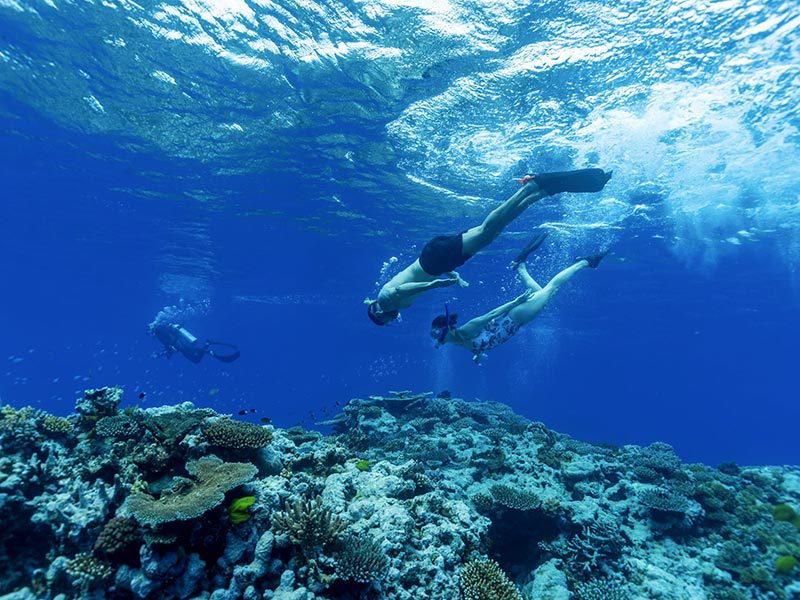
(410, 497)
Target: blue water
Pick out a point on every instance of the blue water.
(262, 161)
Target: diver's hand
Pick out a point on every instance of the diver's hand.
(524, 297)
(461, 282)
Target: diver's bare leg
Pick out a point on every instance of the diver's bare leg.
(564, 276)
(484, 234)
(529, 282)
(527, 312)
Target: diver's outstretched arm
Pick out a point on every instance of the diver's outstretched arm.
(473, 327)
(416, 287)
(459, 280)
(390, 297)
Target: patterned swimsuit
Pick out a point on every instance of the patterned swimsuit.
(498, 331)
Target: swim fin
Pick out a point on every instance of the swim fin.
(582, 180)
(593, 260)
(532, 245)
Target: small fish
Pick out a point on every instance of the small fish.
(142, 395)
(444, 395)
(213, 391)
(265, 420)
(244, 411)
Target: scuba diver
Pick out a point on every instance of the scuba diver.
(496, 327)
(176, 338)
(444, 253)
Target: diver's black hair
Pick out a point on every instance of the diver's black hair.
(372, 313)
(441, 321)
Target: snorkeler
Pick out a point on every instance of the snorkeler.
(177, 338)
(496, 327)
(444, 253)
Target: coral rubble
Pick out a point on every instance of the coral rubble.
(411, 496)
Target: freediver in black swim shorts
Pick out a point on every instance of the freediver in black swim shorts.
(445, 253)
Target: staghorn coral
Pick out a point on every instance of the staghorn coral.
(485, 580)
(119, 536)
(190, 498)
(228, 433)
(596, 544)
(360, 559)
(514, 498)
(309, 524)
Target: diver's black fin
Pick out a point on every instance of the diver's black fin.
(582, 180)
(593, 260)
(532, 245)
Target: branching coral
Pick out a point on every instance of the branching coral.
(485, 580)
(118, 536)
(309, 524)
(53, 424)
(18, 428)
(659, 457)
(664, 501)
(360, 559)
(510, 497)
(170, 427)
(228, 433)
(101, 402)
(601, 589)
(596, 543)
(86, 569)
(118, 426)
(188, 499)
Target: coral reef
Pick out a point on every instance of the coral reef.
(360, 559)
(118, 536)
(228, 433)
(412, 496)
(485, 580)
(308, 524)
(189, 498)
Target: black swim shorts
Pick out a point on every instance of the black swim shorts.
(443, 254)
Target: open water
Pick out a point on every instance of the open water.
(258, 165)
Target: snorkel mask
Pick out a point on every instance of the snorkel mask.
(446, 327)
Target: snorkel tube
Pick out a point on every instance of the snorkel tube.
(443, 334)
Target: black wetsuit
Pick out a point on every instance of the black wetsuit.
(443, 254)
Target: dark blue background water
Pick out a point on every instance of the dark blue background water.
(687, 333)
